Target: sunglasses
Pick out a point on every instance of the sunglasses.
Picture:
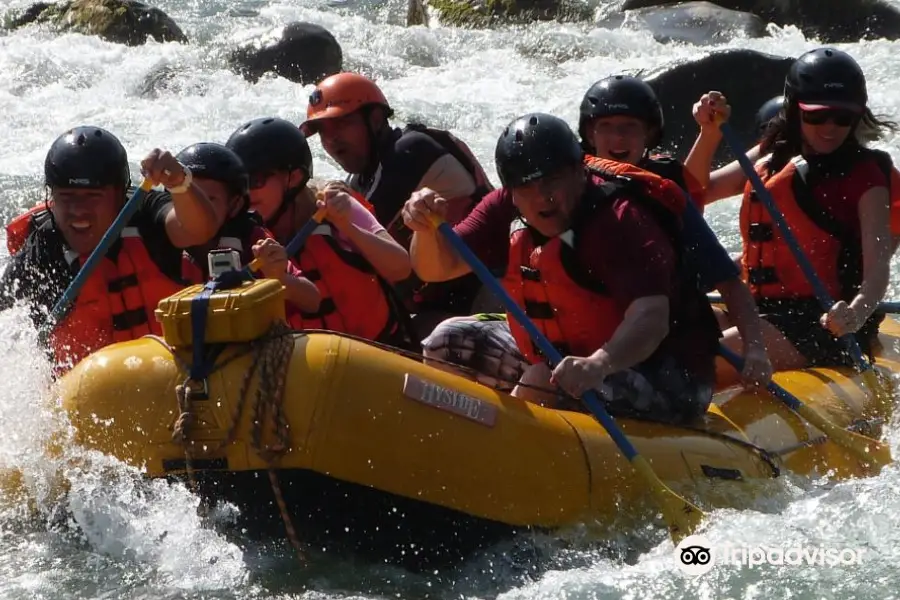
(258, 180)
(840, 117)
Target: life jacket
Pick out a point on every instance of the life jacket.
(835, 252)
(666, 167)
(355, 299)
(18, 230)
(573, 310)
(239, 233)
(115, 304)
(672, 168)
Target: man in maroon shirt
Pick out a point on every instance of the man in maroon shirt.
(639, 331)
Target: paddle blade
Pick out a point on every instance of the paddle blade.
(682, 517)
(866, 449)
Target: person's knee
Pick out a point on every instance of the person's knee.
(534, 386)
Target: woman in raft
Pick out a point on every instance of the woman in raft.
(834, 194)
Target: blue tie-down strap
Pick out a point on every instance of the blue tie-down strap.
(202, 366)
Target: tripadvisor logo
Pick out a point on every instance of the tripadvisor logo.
(696, 555)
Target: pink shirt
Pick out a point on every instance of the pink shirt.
(363, 219)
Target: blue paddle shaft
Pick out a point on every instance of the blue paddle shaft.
(296, 244)
(97, 255)
(738, 363)
(765, 197)
(591, 398)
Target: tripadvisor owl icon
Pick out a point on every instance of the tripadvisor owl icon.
(694, 555)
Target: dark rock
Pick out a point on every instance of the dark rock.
(700, 23)
(301, 52)
(746, 77)
(831, 21)
(119, 21)
(487, 13)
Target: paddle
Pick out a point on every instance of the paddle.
(765, 197)
(99, 252)
(681, 516)
(865, 448)
(299, 239)
(885, 307)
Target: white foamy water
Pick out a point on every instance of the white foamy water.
(137, 540)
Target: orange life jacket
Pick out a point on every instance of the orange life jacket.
(354, 299)
(571, 309)
(18, 230)
(769, 266)
(116, 303)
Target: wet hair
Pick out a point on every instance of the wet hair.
(784, 140)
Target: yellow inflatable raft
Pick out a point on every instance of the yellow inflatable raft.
(360, 445)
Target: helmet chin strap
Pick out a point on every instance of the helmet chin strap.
(289, 195)
(287, 198)
(374, 138)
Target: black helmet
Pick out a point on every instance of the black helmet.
(825, 77)
(535, 145)
(87, 157)
(271, 144)
(622, 95)
(768, 111)
(214, 161)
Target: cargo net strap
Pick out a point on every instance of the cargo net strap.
(270, 433)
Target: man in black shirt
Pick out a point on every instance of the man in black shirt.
(387, 165)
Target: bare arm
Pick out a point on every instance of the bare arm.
(744, 313)
(389, 258)
(729, 180)
(434, 259)
(643, 328)
(301, 292)
(699, 159)
(192, 220)
(874, 219)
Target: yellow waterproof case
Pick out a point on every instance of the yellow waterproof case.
(240, 314)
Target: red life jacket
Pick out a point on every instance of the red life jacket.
(572, 310)
(354, 298)
(116, 303)
(21, 227)
(835, 252)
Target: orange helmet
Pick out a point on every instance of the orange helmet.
(339, 95)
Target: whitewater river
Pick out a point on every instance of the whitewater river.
(135, 540)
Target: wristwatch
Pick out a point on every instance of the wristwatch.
(185, 183)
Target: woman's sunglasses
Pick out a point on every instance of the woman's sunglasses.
(839, 116)
(258, 180)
